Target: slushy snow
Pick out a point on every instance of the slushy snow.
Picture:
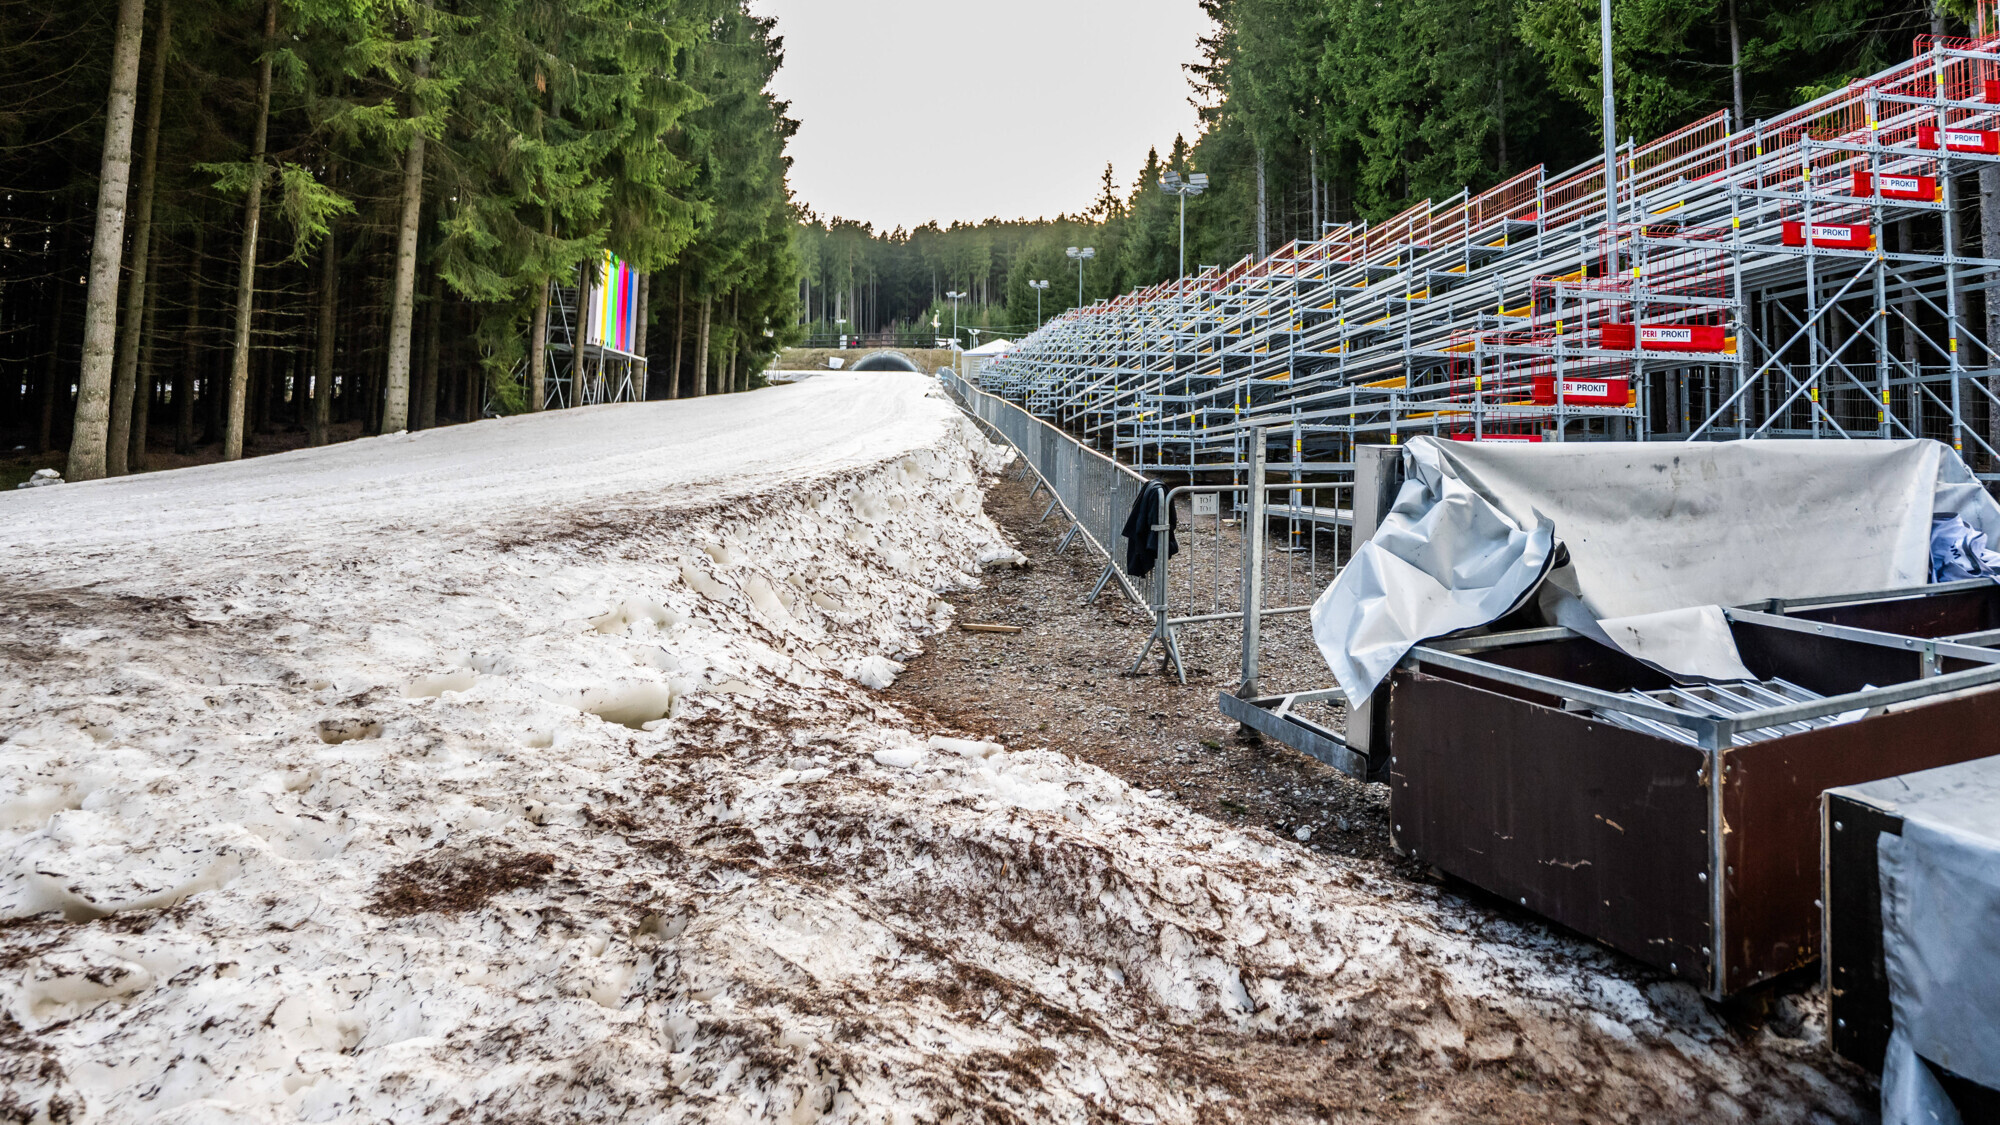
(533, 770)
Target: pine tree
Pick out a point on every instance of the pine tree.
(100, 323)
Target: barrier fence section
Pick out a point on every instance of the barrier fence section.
(1303, 531)
(1093, 490)
(1270, 545)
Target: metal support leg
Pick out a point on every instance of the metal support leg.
(1075, 529)
(1163, 631)
(1102, 579)
(1253, 562)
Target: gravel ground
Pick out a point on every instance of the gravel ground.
(1063, 682)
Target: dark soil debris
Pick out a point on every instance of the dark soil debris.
(455, 882)
(1061, 683)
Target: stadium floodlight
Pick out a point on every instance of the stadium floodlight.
(955, 296)
(1081, 255)
(1195, 184)
(1038, 287)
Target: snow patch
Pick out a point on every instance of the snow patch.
(668, 870)
(876, 672)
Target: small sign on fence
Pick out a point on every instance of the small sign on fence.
(1207, 504)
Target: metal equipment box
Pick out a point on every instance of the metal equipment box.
(1854, 818)
(1678, 825)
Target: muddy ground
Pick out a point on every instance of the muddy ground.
(1064, 682)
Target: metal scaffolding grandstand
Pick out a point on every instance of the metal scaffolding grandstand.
(1804, 277)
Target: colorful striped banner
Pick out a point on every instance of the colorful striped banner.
(614, 312)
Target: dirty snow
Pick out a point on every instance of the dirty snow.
(531, 770)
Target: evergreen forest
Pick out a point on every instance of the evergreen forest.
(222, 221)
(1323, 111)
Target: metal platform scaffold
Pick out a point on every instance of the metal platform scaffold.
(593, 347)
(1812, 276)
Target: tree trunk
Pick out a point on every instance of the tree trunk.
(190, 350)
(51, 368)
(351, 334)
(246, 269)
(475, 370)
(1312, 167)
(1263, 211)
(107, 251)
(639, 330)
(127, 393)
(322, 386)
(45, 434)
(301, 398)
(261, 378)
(680, 334)
(427, 395)
(538, 349)
(701, 346)
(1736, 66)
(142, 398)
(402, 311)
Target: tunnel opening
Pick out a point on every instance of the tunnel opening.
(886, 361)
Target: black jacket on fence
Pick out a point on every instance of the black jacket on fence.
(1141, 548)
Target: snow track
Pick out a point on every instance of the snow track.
(527, 771)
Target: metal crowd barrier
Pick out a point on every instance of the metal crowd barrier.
(1273, 546)
(1093, 490)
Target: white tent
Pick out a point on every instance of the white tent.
(975, 361)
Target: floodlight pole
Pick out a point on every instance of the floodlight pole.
(1183, 196)
(1195, 184)
(1081, 255)
(1610, 132)
(954, 295)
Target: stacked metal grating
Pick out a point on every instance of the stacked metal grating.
(1804, 277)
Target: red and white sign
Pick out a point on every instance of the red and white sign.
(1662, 337)
(1924, 189)
(1960, 140)
(1497, 437)
(1834, 236)
(1583, 392)
(1682, 337)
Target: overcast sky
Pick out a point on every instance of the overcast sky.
(911, 111)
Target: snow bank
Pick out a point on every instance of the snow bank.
(532, 770)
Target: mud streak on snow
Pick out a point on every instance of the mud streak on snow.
(526, 772)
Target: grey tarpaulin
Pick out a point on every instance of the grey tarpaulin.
(1445, 558)
(1657, 534)
(1940, 933)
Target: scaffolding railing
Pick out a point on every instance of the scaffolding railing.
(1806, 276)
